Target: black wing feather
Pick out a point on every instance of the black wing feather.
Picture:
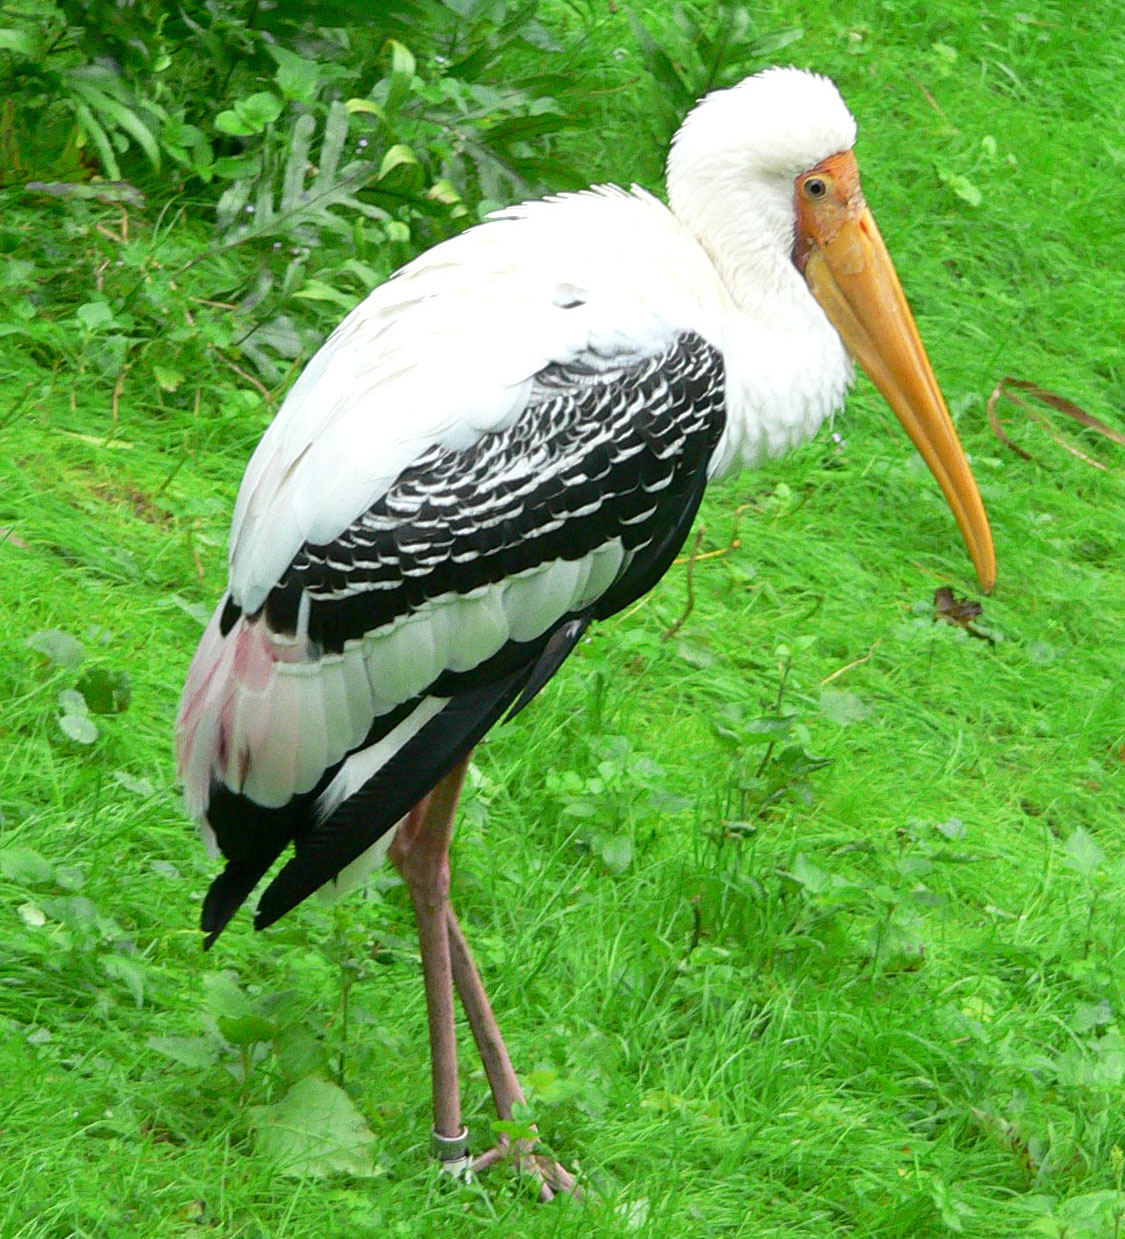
(598, 455)
(595, 456)
(393, 791)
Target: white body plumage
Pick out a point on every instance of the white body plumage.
(451, 351)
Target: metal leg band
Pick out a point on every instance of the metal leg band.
(452, 1152)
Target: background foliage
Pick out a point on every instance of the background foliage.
(801, 910)
(267, 164)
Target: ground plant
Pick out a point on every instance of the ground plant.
(799, 891)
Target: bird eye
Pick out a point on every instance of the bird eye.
(815, 187)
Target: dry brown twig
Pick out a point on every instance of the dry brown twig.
(1008, 386)
(693, 554)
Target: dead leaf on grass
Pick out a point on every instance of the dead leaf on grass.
(9, 537)
(960, 612)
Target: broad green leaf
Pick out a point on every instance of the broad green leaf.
(914, 866)
(617, 852)
(763, 730)
(673, 97)
(1096, 1064)
(223, 996)
(443, 191)
(898, 945)
(71, 701)
(79, 727)
(237, 167)
(128, 120)
(131, 783)
(94, 315)
(1082, 853)
(180, 133)
(199, 611)
(70, 877)
(808, 875)
(25, 42)
(82, 914)
(315, 1131)
(336, 127)
(105, 690)
(297, 78)
(952, 828)
(198, 1053)
(842, 708)
(90, 127)
(25, 866)
(167, 378)
(398, 156)
(402, 74)
(513, 1130)
(260, 109)
(1095, 1214)
(245, 1029)
(961, 186)
(696, 653)
(537, 35)
(367, 275)
(233, 123)
(1090, 1015)
(771, 43)
(634, 1214)
(1042, 653)
(296, 165)
(317, 290)
(32, 915)
(130, 972)
(299, 1053)
(366, 106)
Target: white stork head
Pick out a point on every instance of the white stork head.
(764, 176)
(734, 163)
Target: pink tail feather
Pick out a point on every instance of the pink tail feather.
(236, 720)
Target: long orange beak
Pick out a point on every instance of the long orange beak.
(849, 271)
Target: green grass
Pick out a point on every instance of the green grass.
(752, 995)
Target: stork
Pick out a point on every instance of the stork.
(505, 442)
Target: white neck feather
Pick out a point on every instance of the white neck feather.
(731, 182)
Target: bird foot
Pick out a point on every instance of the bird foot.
(452, 1156)
(552, 1177)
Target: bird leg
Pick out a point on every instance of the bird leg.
(498, 1068)
(506, 1091)
(420, 852)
